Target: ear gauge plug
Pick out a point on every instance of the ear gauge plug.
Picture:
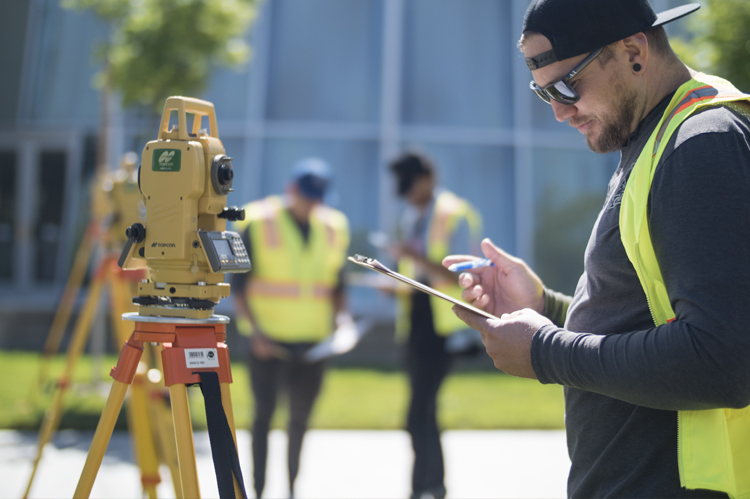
(636, 67)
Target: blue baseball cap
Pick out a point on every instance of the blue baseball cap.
(312, 177)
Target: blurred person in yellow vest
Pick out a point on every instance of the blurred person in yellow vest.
(291, 300)
(435, 223)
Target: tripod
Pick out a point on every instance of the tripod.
(114, 198)
(65, 307)
(193, 351)
(148, 423)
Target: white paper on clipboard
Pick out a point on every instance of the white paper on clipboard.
(375, 265)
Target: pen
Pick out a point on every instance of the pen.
(471, 264)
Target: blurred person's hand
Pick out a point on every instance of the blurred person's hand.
(261, 346)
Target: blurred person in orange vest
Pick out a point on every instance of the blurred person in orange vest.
(292, 299)
(435, 223)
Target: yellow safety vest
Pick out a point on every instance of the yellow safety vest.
(449, 210)
(290, 290)
(713, 445)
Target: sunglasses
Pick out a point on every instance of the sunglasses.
(561, 91)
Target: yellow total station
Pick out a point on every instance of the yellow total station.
(185, 177)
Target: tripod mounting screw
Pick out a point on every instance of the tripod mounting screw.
(136, 232)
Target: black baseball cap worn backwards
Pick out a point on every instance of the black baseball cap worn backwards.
(575, 27)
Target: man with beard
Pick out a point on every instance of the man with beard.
(652, 350)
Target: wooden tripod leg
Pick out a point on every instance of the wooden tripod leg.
(123, 375)
(161, 414)
(140, 423)
(101, 439)
(167, 446)
(75, 349)
(143, 433)
(67, 302)
(183, 431)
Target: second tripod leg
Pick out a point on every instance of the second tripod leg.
(123, 375)
(101, 439)
(183, 430)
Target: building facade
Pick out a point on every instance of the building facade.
(352, 81)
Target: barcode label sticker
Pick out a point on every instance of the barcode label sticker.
(201, 357)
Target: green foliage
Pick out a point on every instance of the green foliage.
(160, 48)
(492, 400)
(23, 402)
(350, 399)
(721, 41)
(377, 400)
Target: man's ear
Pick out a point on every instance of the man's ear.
(637, 49)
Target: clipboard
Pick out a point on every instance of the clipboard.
(372, 264)
(344, 339)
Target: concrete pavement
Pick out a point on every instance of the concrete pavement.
(335, 464)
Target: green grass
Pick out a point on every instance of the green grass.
(350, 398)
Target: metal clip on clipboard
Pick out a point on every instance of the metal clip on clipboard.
(375, 265)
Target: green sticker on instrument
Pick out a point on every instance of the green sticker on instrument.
(166, 160)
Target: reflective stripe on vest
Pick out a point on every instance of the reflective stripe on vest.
(279, 289)
(713, 449)
(447, 213)
(291, 287)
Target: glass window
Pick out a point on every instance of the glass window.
(456, 66)
(65, 67)
(49, 214)
(325, 60)
(12, 34)
(569, 189)
(7, 212)
(483, 175)
(228, 90)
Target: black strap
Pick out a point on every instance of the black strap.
(541, 60)
(223, 450)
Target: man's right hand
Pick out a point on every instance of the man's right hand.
(505, 288)
(261, 347)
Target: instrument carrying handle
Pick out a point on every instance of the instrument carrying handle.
(184, 105)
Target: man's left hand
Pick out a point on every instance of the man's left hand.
(508, 339)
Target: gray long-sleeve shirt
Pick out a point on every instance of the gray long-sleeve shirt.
(624, 378)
